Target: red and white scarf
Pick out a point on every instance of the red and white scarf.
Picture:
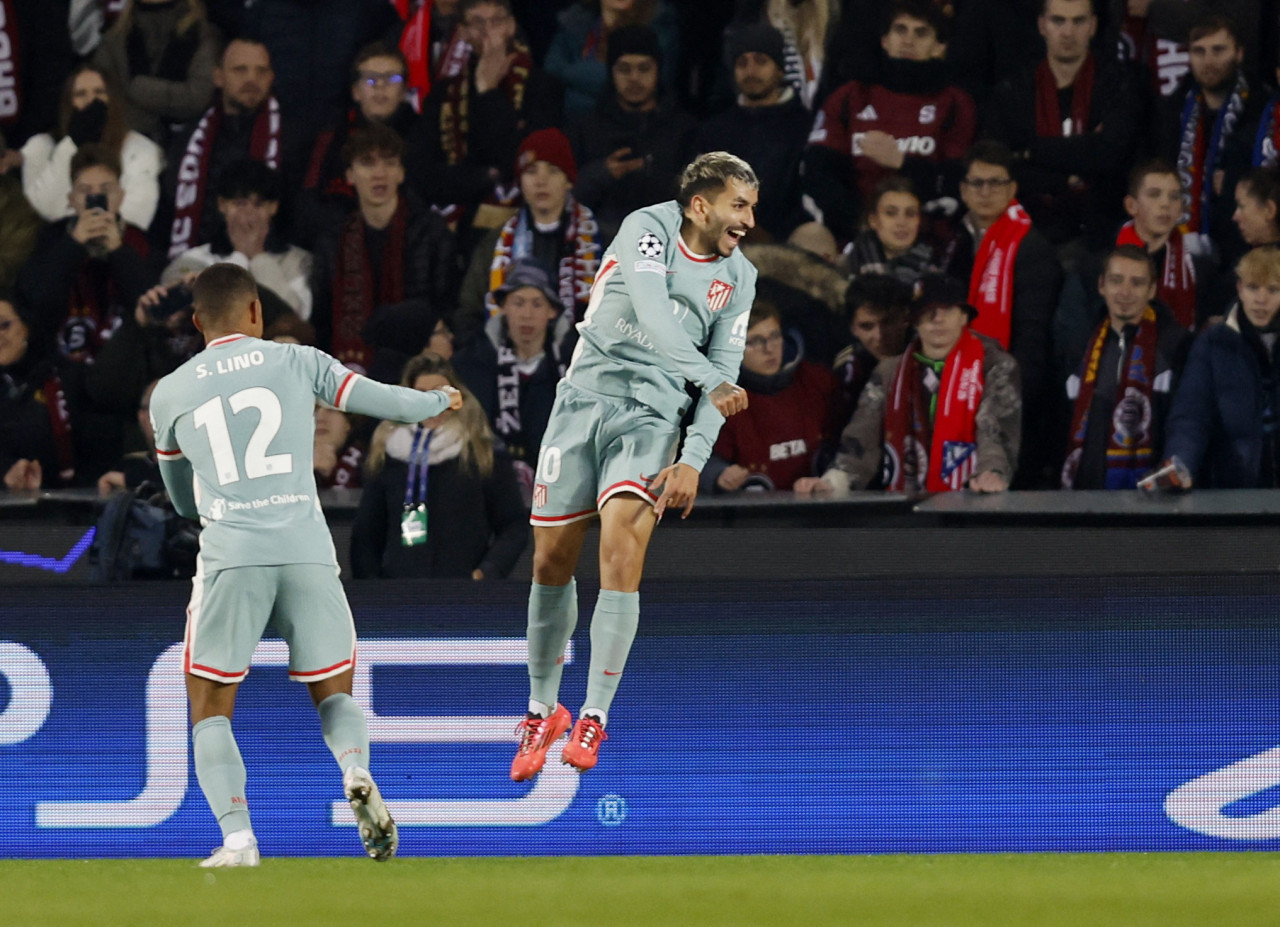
(1130, 451)
(952, 437)
(1177, 288)
(353, 296)
(10, 65)
(415, 44)
(1049, 120)
(578, 266)
(193, 170)
(991, 283)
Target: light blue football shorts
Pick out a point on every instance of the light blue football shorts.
(304, 602)
(594, 448)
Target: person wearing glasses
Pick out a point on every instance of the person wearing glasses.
(379, 93)
(1014, 279)
(790, 419)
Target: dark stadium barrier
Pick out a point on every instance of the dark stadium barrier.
(915, 715)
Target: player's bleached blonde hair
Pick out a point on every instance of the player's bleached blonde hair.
(712, 172)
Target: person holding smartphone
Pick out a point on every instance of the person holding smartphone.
(89, 269)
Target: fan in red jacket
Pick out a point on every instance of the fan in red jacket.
(789, 420)
(914, 122)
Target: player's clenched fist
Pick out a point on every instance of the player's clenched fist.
(455, 397)
(729, 399)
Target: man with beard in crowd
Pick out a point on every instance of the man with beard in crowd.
(766, 127)
(1208, 131)
(244, 121)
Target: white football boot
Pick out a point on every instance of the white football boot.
(377, 830)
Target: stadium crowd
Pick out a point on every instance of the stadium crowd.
(1020, 244)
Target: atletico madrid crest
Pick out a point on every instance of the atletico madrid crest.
(539, 495)
(718, 295)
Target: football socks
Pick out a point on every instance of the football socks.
(553, 614)
(221, 774)
(613, 628)
(345, 730)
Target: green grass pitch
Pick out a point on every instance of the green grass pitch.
(1036, 890)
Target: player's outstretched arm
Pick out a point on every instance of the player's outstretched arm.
(348, 391)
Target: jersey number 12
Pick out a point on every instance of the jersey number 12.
(257, 463)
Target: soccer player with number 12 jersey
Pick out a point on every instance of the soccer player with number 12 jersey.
(234, 433)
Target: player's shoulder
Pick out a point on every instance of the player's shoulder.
(742, 268)
(663, 219)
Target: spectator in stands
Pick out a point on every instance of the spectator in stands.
(1257, 213)
(1121, 391)
(878, 311)
(1266, 145)
(244, 121)
(807, 27)
(806, 280)
(766, 127)
(473, 121)
(378, 89)
(551, 229)
(633, 146)
(383, 276)
(249, 201)
(790, 418)
(1154, 204)
(312, 45)
(92, 112)
(912, 121)
(1223, 424)
(433, 44)
(89, 269)
(1208, 129)
(1014, 278)
(45, 440)
(891, 243)
(580, 46)
(137, 466)
(162, 55)
(339, 451)
(1073, 121)
(513, 366)
(439, 500)
(945, 416)
(19, 228)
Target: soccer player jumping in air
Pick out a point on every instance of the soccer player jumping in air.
(234, 436)
(671, 282)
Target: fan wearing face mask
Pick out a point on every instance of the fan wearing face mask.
(91, 113)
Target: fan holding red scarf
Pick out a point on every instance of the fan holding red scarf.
(946, 415)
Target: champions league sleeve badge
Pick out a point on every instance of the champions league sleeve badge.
(650, 245)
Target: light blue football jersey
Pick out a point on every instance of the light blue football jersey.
(654, 304)
(235, 427)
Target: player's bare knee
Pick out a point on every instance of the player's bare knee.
(553, 565)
